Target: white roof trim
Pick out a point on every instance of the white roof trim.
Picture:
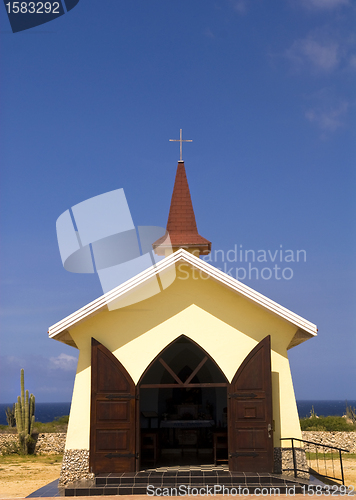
(182, 255)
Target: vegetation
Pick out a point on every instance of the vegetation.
(315, 423)
(15, 460)
(351, 413)
(59, 424)
(11, 448)
(10, 416)
(312, 413)
(331, 423)
(329, 456)
(25, 418)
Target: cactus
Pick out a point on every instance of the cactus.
(312, 413)
(351, 413)
(25, 417)
(10, 416)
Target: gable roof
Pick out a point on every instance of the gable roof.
(181, 225)
(60, 330)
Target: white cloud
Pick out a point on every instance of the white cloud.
(41, 372)
(324, 4)
(328, 120)
(327, 111)
(352, 62)
(63, 362)
(324, 50)
(319, 55)
(240, 6)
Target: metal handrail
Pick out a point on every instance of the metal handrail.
(320, 445)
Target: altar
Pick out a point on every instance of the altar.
(187, 434)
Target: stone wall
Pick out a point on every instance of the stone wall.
(75, 464)
(283, 460)
(7, 441)
(46, 443)
(75, 467)
(345, 440)
(283, 457)
(52, 443)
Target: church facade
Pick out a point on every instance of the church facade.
(197, 373)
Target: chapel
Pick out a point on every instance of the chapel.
(196, 372)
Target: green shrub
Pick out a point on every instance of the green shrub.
(326, 424)
(62, 420)
(329, 456)
(5, 429)
(60, 424)
(11, 448)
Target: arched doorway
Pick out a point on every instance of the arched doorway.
(185, 380)
(183, 403)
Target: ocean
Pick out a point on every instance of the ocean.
(324, 408)
(44, 412)
(47, 412)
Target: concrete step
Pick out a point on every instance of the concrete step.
(198, 489)
(191, 479)
(191, 483)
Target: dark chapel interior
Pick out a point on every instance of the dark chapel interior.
(183, 408)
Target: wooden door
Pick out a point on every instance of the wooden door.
(250, 413)
(112, 418)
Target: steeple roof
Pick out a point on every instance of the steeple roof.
(181, 225)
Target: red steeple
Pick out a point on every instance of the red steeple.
(181, 225)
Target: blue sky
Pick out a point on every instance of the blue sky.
(266, 90)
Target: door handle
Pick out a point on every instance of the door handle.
(269, 430)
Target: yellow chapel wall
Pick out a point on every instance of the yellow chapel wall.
(223, 323)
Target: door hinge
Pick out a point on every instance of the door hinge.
(240, 395)
(244, 454)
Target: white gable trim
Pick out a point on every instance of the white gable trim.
(181, 255)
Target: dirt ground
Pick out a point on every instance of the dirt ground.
(21, 476)
(349, 466)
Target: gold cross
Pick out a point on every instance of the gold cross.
(181, 143)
